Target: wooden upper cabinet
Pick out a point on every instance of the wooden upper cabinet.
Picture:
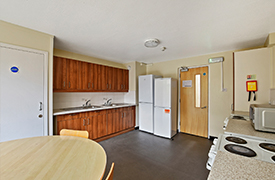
(72, 74)
(59, 73)
(103, 78)
(125, 80)
(119, 79)
(77, 76)
(91, 81)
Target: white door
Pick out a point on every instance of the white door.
(146, 118)
(162, 122)
(22, 94)
(146, 88)
(163, 92)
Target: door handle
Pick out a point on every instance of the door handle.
(40, 106)
(203, 107)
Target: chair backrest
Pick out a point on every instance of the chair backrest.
(111, 173)
(70, 132)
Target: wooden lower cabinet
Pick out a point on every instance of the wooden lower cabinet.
(101, 124)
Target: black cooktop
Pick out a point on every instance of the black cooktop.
(236, 140)
(268, 146)
(240, 150)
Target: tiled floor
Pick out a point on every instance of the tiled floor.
(141, 156)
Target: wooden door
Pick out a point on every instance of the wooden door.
(59, 73)
(194, 101)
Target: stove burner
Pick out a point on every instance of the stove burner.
(240, 150)
(273, 158)
(236, 140)
(268, 146)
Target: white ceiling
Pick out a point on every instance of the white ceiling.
(116, 30)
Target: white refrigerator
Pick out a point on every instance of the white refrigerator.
(146, 102)
(165, 107)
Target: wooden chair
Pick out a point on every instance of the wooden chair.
(111, 173)
(70, 132)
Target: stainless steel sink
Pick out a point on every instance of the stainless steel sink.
(114, 104)
(81, 107)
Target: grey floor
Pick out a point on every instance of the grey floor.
(139, 155)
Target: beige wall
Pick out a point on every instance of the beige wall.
(219, 102)
(252, 62)
(21, 36)
(71, 55)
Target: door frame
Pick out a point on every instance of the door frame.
(45, 80)
(208, 97)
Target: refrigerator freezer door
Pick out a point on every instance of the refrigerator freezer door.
(146, 121)
(146, 88)
(163, 92)
(162, 122)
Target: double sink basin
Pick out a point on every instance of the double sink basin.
(93, 106)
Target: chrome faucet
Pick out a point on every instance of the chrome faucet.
(108, 102)
(86, 102)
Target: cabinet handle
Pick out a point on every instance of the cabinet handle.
(93, 85)
(88, 121)
(110, 86)
(107, 86)
(124, 86)
(89, 85)
(121, 86)
(83, 122)
(69, 84)
(121, 115)
(64, 84)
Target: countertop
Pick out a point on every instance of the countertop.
(245, 127)
(62, 112)
(231, 166)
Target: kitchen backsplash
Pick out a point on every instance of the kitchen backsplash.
(63, 100)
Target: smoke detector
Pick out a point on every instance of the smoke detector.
(151, 43)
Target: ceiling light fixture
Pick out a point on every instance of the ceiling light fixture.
(150, 43)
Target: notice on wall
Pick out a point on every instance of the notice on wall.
(187, 83)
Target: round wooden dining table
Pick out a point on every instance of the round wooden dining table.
(52, 157)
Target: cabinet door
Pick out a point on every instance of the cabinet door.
(72, 74)
(103, 78)
(110, 79)
(119, 79)
(102, 123)
(110, 121)
(91, 76)
(83, 76)
(96, 74)
(126, 79)
(59, 73)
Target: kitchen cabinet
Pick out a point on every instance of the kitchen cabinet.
(59, 73)
(101, 124)
(77, 76)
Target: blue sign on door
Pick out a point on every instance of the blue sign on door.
(14, 69)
